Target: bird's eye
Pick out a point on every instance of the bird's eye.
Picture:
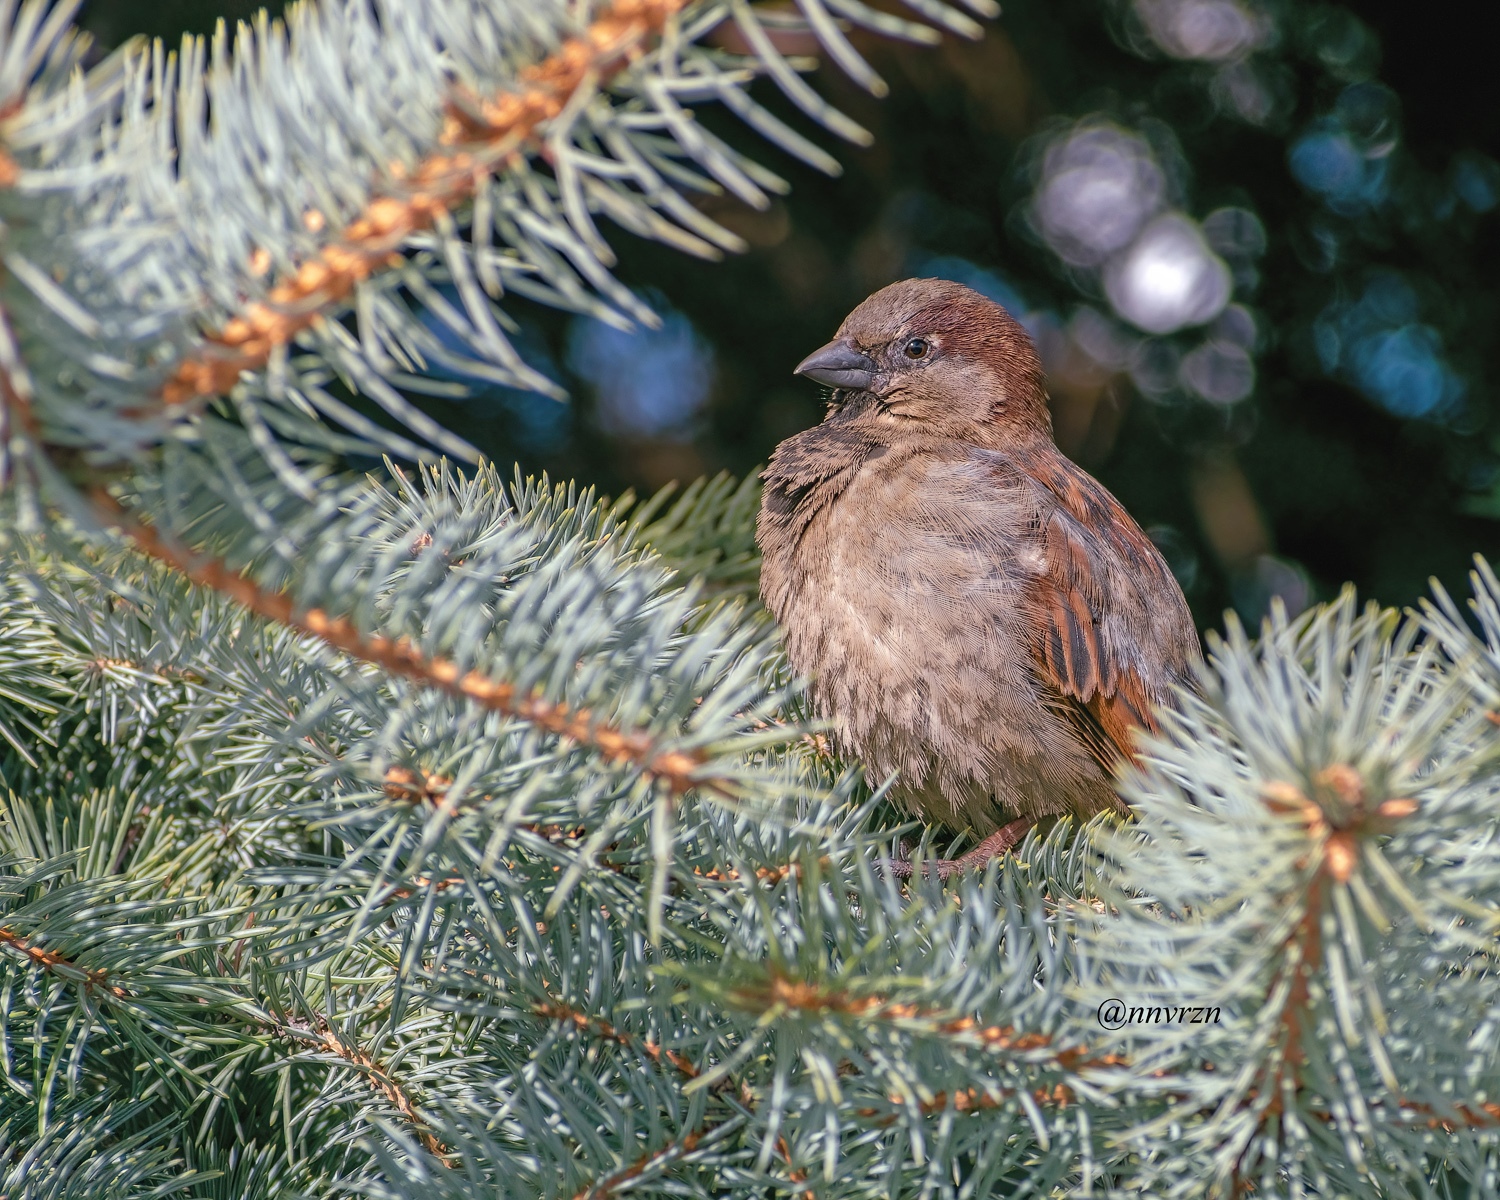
(917, 348)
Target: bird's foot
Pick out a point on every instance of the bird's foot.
(997, 845)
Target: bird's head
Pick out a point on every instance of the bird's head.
(939, 354)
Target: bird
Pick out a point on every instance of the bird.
(975, 614)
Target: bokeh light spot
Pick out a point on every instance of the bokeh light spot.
(1476, 180)
(1237, 326)
(535, 422)
(1403, 370)
(1265, 580)
(1099, 185)
(1377, 344)
(1235, 233)
(1155, 367)
(1219, 371)
(1168, 279)
(1105, 341)
(649, 382)
(1328, 161)
(1205, 30)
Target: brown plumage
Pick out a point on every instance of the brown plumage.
(974, 611)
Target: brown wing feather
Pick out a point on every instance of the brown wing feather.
(1090, 545)
(1102, 743)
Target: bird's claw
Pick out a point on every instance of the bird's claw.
(997, 845)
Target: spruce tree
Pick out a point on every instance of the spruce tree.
(429, 833)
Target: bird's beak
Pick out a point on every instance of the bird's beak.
(839, 365)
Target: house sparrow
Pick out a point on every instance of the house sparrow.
(974, 611)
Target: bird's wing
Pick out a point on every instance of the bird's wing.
(1094, 634)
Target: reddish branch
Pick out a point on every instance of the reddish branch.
(411, 787)
(556, 1010)
(770, 875)
(677, 1148)
(15, 391)
(476, 135)
(56, 964)
(379, 1079)
(808, 997)
(165, 673)
(1336, 818)
(1484, 1116)
(489, 130)
(399, 656)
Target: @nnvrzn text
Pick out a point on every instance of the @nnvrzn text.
(1116, 1014)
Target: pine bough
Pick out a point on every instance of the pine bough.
(427, 836)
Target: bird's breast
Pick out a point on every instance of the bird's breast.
(900, 600)
(897, 570)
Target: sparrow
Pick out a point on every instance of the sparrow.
(976, 614)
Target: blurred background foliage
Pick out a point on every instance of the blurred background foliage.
(1256, 242)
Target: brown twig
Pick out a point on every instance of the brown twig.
(676, 768)
(1337, 818)
(802, 996)
(165, 673)
(15, 391)
(770, 875)
(1485, 1116)
(971, 1100)
(376, 1076)
(476, 136)
(678, 1147)
(409, 786)
(56, 964)
(556, 1010)
(423, 883)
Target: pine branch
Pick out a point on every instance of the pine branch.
(91, 1147)
(379, 1078)
(556, 1010)
(444, 769)
(477, 136)
(56, 964)
(1345, 750)
(433, 159)
(679, 770)
(674, 1151)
